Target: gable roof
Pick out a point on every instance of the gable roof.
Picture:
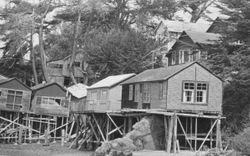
(180, 26)
(2, 81)
(202, 37)
(111, 81)
(43, 85)
(161, 74)
(78, 90)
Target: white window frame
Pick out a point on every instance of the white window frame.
(181, 56)
(188, 90)
(137, 92)
(204, 90)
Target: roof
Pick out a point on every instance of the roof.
(3, 77)
(202, 37)
(43, 85)
(2, 81)
(111, 81)
(180, 26)
(161, 74)
(78, 90)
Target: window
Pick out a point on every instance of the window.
(48, 100)
(160, 91)
(188, 92)
(77, 64)
(195, 92)
(137, 92)
(173, 58)
(14, 99)
(201, 92)
(196, 54)
(146, 93)
(104, 95)
(181, 56)
(55, 65)
(93, 95)
(130, 94)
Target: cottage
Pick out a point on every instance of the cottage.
(191, 46)
(187, 87)
(50, 99)
(106, 94)
(14, 95)
(78, 93)
(58, 70)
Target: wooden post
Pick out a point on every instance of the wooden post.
(218, 135)
(46, 137)
(20, 135)
(191, 130)
(62, 138)
(55, 117)
(30, 132)
(211, 135)
(175, 133)
(67, 127)
(129, 123)
(170, 132)
(40, 130)
(166, 131)
(107, 130)
(124, 126)
(195, 135)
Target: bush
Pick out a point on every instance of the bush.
(241, 142)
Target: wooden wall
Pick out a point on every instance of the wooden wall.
(195, 72)
(78, 105)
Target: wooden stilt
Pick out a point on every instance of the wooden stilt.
(98, 126)
(166, 131)
(62, 138)
(175, 133)
(218, 135)
(129, 123)
(183, 130)
(55, 125)
(170, 133)
(191, 130)
(195, 135)
(114, 123)
(67, 127)
(211, 135)
(107, 130)
(124, 126)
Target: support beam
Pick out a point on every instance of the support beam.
(114, 123)
(175, 133)
(93, 129)
(184, 132)
(166, 131)
(195, 135)
(99, 128)
(114, 130)
(107, 129)
(208, 134)
(8, 125)
(170, 133)
(218, 135)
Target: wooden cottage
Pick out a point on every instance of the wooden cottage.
(106, 94)
(58, 70)
(50, 99)
(78, 93)
(191, 46)
(14, 95)
(187, 87)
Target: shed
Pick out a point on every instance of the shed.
(50, 99)
(191, 46)
(188, 87)
(14, 95)
(78, 94)
(106, 94)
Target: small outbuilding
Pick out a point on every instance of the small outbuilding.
(188, 87)
(107, 93)
(50, 99)
(78, 93)
(14, 95)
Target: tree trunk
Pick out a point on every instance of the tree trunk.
(33, 58)
(42, 52)
(73, 55)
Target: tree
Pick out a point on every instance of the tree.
(118, 52)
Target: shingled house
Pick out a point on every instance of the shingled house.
(186, 87)
(106, 94)
(50, 99)
(14, 95)
(191, 46)
(58, 70)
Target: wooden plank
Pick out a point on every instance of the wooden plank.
(114, 130)
(207, 135)
(170, 133)
(8, 125)
(107, 129)
(99, 128)
(93, 129)
(184, 132)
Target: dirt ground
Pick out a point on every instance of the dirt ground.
(39, 150)
(58, 150)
